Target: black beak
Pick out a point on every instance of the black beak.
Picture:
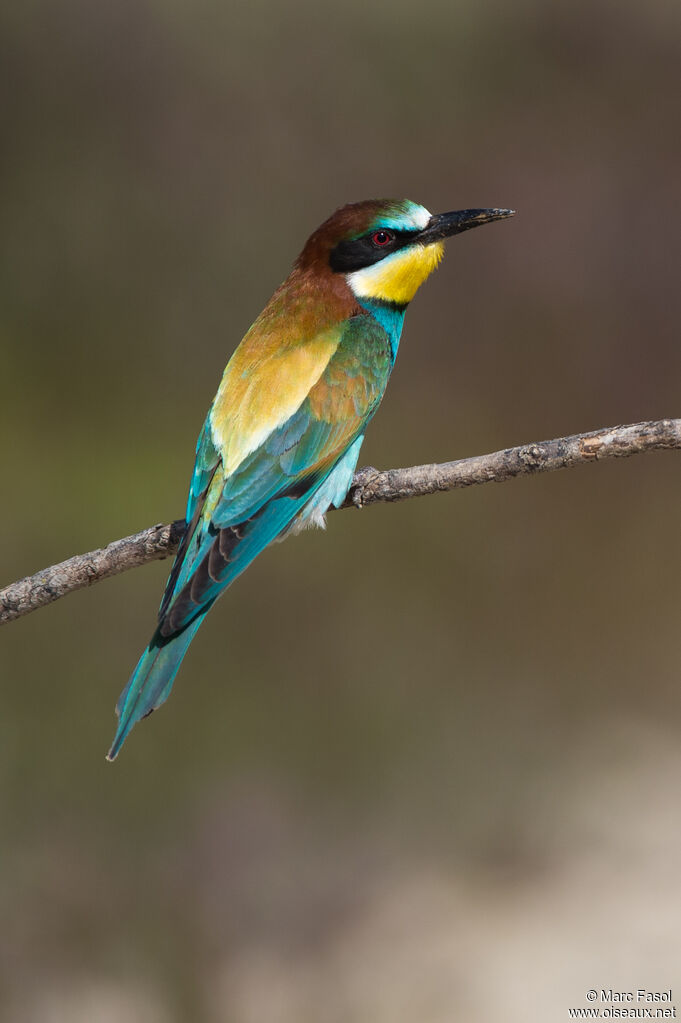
(442, 225)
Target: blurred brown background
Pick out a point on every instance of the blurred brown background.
(426, 766)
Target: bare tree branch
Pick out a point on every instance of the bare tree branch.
(369, 486)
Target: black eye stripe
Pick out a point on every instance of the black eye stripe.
(360, 252)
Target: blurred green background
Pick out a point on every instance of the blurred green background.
(425, 766)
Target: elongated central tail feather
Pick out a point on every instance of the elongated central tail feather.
(151, 681)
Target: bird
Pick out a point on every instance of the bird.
(281, 440)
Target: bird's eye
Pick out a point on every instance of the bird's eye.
(382, 238)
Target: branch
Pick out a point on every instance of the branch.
(369, 486)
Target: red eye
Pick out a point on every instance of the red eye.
(381, 238)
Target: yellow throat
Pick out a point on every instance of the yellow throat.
(398, 277)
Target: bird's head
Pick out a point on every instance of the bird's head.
(386, 248)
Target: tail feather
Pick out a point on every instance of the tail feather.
(223, 553)
(151, 681)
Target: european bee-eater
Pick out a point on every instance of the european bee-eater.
(281, 440)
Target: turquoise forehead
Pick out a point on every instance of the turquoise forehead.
(402, 216)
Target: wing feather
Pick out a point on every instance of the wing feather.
(244, 509)
(260, 392)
